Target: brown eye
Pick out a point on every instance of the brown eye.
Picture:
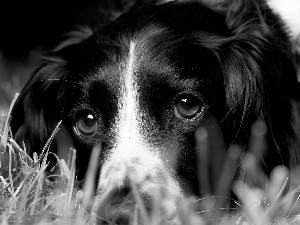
(86, 125)
(187, 106)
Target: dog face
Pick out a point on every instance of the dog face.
(141, 86)
(144, 108)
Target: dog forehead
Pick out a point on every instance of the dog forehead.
(154, 74)
(162, 67)
(150, 62)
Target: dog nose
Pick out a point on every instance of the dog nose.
(120, 195)
(131, 187)
(120, 205)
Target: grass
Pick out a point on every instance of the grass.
(29, 196)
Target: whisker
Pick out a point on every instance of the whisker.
(224, 197)
(211, 210)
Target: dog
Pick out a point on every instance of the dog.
(142, 85)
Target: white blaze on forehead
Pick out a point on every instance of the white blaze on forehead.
(128, 122)
(131, 154)
(131, 137)
(131, 150)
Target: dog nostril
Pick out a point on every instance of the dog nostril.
(124, 192)
(120, 205)
(122, 220)
(120, 195)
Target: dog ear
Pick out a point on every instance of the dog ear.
(260, 39)
(39, 106)
(259, 71)
(245, 55)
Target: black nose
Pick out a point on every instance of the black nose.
(121, 196)
(120, 205)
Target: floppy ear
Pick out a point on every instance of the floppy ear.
(39, 106)
(245, 59)
(259, 73)
(263, 50)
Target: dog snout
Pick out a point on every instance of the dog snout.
(134, 185)
(120, 204)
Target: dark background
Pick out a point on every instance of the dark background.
(27, 24)
(29, 28)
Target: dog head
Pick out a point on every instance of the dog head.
(142, 85)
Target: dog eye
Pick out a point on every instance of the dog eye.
(187, 106)
(86, 125)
